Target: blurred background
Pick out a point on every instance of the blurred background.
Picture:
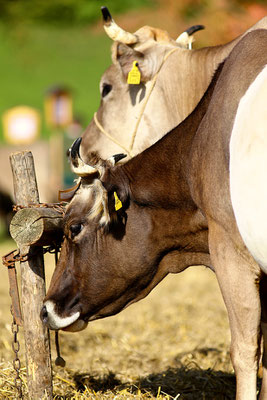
(52, 55)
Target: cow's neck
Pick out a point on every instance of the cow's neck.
(191, 72)
(205, 61)
(179, 86)
(158, 176)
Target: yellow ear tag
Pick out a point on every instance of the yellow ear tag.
(134, 76)
(118, 203)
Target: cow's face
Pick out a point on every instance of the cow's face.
(122, 104)
(125, 112)
(101, 269)
(106, 260)
(117, 247)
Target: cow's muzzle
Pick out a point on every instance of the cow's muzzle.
(52, 320)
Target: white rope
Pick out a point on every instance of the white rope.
(100, 127)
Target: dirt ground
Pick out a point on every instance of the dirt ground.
(173, 344)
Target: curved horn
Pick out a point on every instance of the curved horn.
(114, 31)
(116, 158)
(186, 39)
(194, 29)
(67, 194)
(78, 166)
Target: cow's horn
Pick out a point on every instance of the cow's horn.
(116, 158)
(194, 29)
(67, 194)
(114, 31)
(78, 166)
(186, 38)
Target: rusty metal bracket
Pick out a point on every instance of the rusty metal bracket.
(9, 261)
(60, 207)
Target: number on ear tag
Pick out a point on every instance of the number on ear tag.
(118, 203)
(134, 76)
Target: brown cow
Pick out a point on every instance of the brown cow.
(173, 80)
(177, 205)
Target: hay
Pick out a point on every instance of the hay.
(184, 382)
(7, 379)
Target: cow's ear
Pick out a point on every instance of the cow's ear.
(117, 204)
(125, 56)
(115, 200)
(108, 206)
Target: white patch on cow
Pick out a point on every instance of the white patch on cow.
(55, 321)
(98, 192)
(99, 207)
(85, 193)
(97, 195)
(248, 168)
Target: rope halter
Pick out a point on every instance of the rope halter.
(129, 150)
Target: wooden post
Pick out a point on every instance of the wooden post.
(36, 226)
(37, 345)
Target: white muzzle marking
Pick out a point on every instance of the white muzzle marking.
(55, 321)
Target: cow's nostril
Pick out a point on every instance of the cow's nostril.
(44, 314)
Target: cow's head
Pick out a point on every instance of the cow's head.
(117, 246)
(126, 110)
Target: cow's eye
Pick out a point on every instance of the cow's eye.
(106, 89)
(75, 229)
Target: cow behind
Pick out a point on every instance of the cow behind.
(176, 211)
(131, 118)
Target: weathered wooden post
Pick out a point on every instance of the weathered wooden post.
(36, 227)
(37, 345)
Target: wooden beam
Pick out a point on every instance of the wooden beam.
(37, 345)
(36, 226)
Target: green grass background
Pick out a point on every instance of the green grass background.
(45, 44)
(33, 58)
